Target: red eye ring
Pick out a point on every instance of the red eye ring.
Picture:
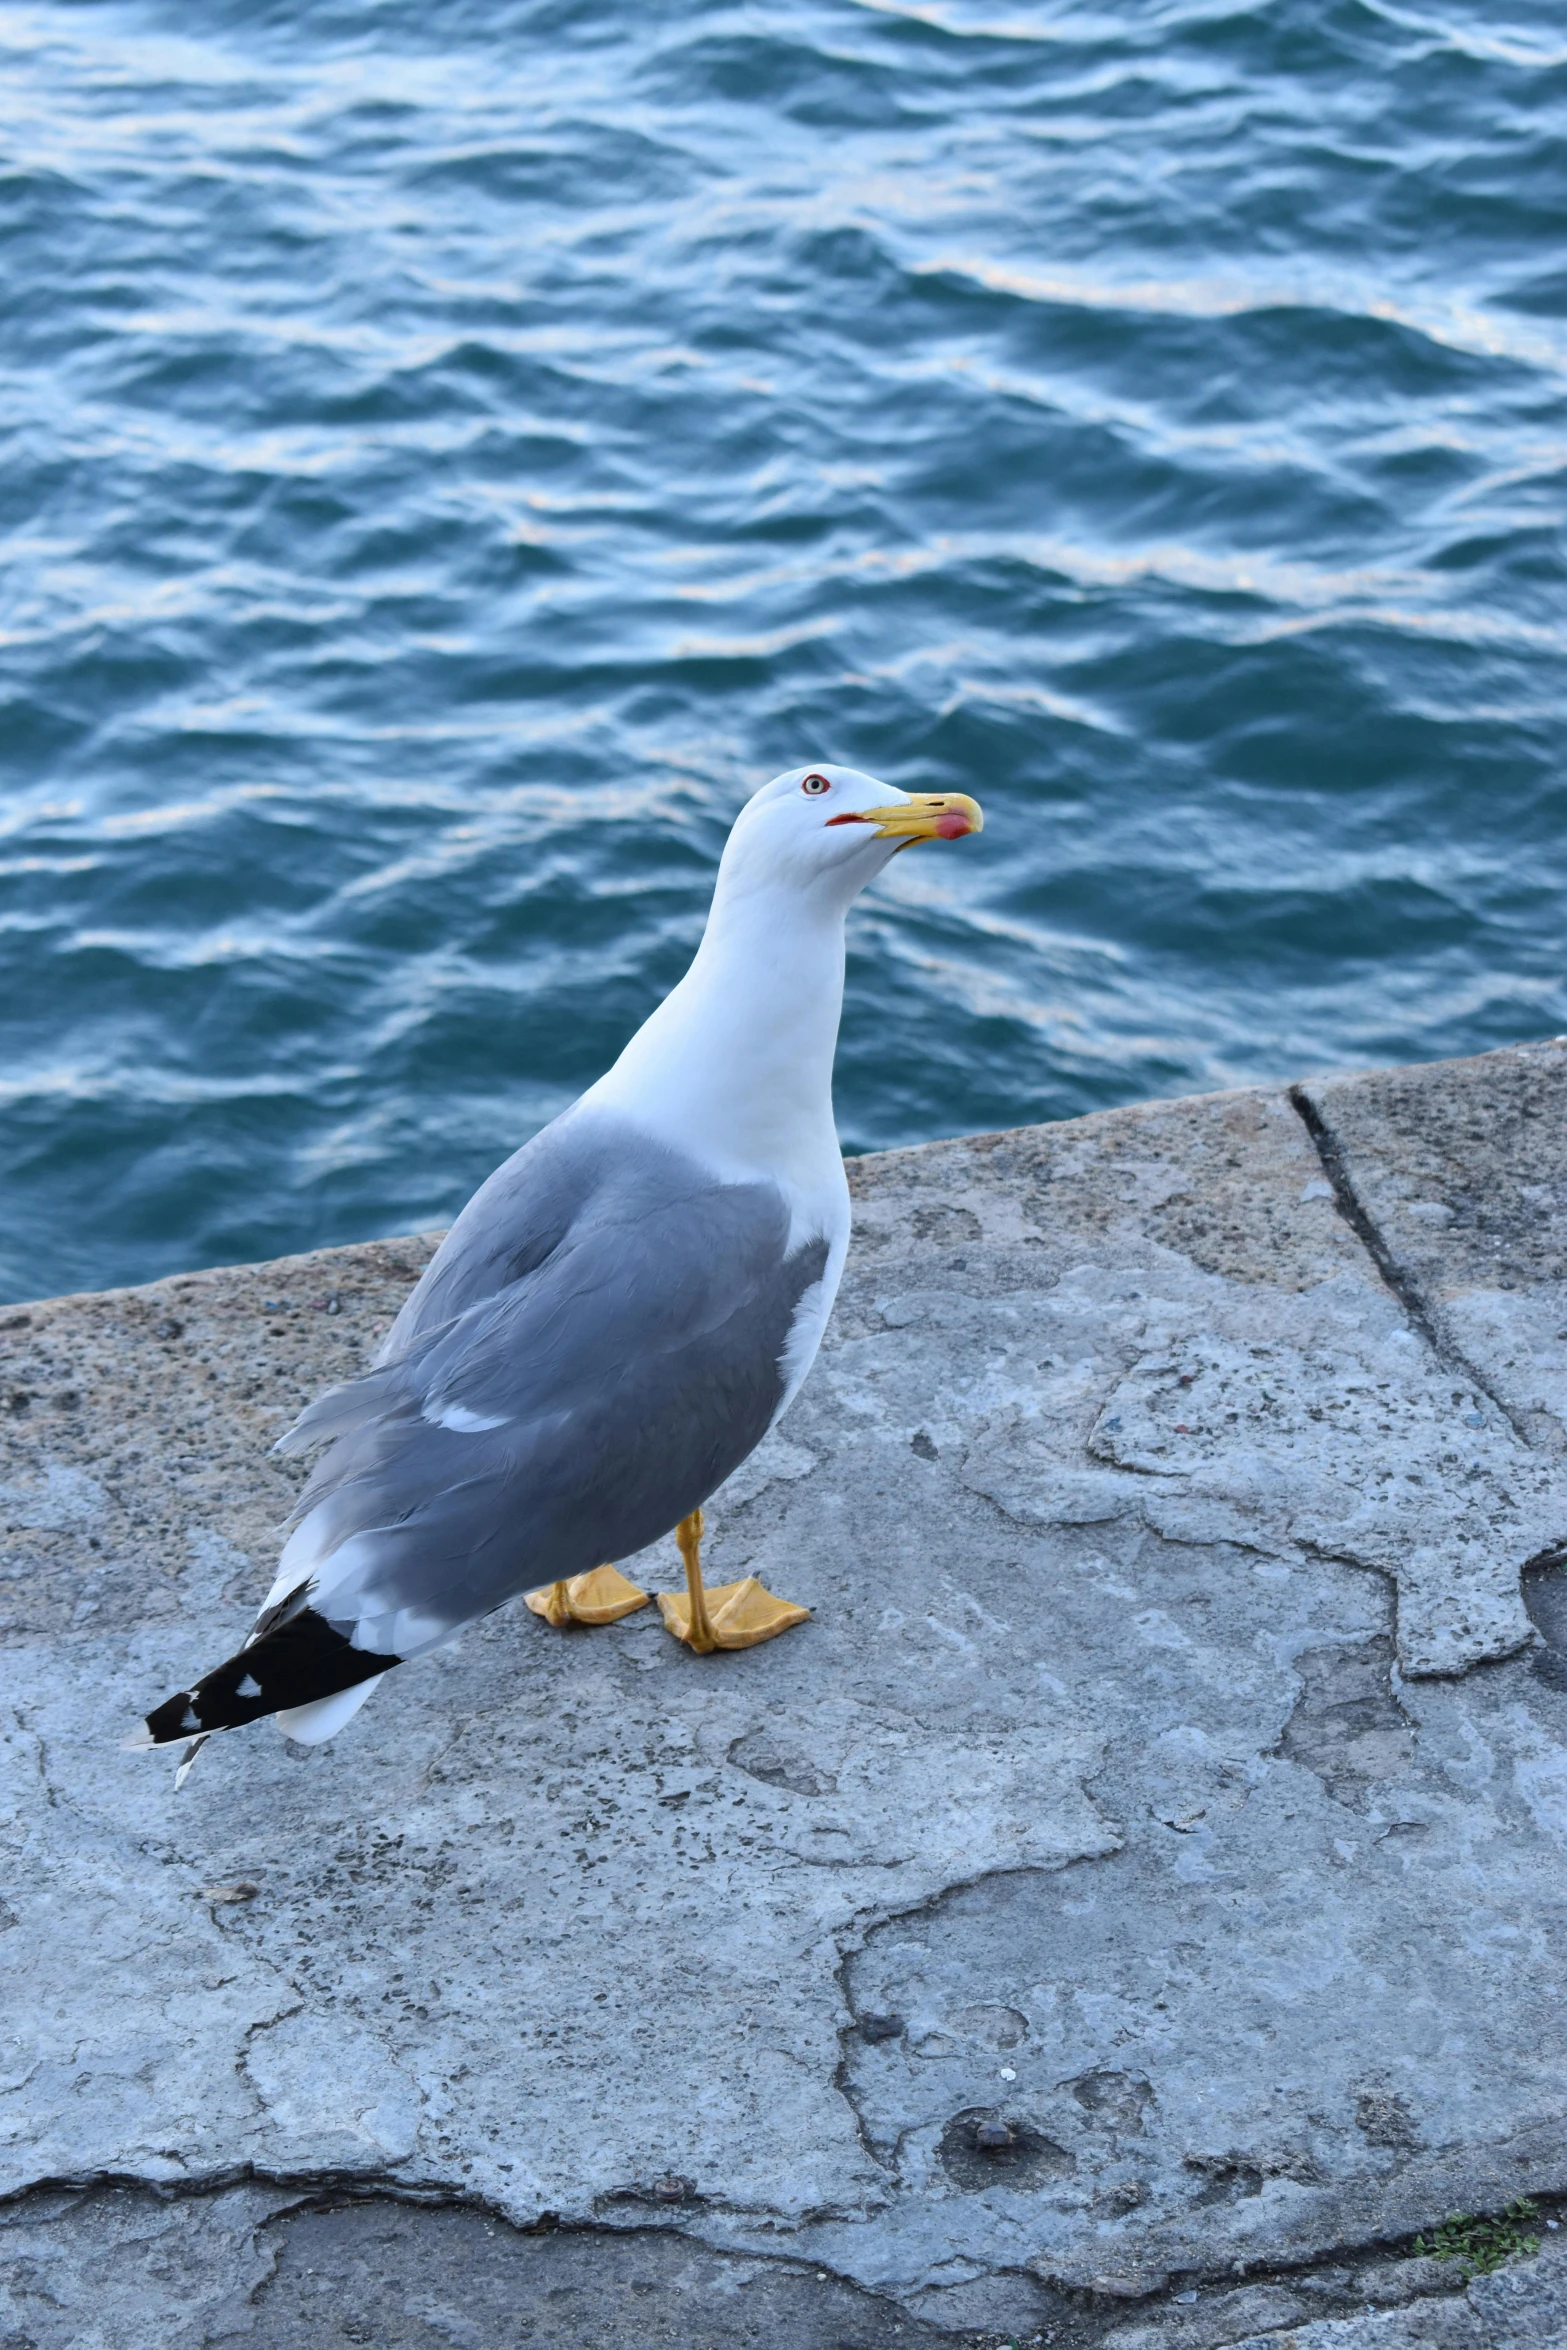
(814, 786)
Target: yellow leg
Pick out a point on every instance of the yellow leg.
(698, 1633)
(600, 1597)
(731, 1615)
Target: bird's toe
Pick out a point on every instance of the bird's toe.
(602, 1596)
(739, 1614)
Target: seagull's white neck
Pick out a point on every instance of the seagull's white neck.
(736, 1063)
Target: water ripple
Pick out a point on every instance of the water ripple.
(452, 454)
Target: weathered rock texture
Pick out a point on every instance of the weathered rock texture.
(1143, 1878)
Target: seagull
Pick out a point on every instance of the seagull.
(614, 1322)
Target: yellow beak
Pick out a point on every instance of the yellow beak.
(924, 815)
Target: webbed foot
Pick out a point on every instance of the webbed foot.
(738, 1615)
(731, 1615)
(602, 1596)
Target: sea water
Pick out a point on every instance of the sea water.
(453, 453)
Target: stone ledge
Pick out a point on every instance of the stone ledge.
(1173, 1772)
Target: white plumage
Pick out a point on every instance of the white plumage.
(616, 1318)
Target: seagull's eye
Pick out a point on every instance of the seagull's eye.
(814, 786)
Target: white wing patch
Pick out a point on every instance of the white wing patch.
(457, 1417)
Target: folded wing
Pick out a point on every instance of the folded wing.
(595, 1347)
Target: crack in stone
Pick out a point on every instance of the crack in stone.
(1356, 2276)
(842, 2079)
(878, 1922)
(1347, 1726)
(1394, 1276)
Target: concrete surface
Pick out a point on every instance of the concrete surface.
(1171, 1786)
(260, 2268)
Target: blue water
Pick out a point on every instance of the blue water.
(452, 453)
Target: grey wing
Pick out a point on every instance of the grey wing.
(571, 1412)
(518, 1218)
(513, 1224)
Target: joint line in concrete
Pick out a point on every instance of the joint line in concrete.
(1393, 1275)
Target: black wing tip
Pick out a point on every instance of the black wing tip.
(297, 1662)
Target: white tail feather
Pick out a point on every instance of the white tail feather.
(323, 1718)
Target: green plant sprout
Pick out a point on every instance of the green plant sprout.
(1482, 2243)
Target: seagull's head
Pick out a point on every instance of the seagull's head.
(827, 831)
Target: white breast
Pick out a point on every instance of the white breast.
(826, 1214)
